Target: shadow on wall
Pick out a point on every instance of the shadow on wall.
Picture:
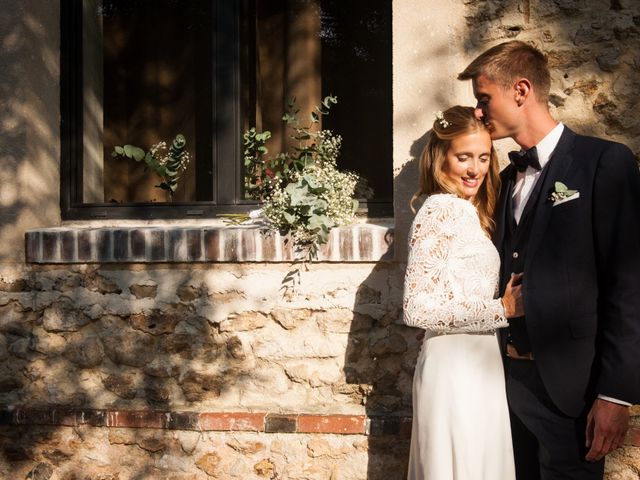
(59, 347)
(29, 140)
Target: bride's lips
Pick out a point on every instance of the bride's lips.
(470, 182)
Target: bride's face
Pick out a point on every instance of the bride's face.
(467, 162)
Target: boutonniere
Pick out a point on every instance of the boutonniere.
(561, 193)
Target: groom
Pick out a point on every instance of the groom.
(568, 216)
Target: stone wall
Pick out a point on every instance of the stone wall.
(593, 50)
(324, 374)
(211, 338)
(207, 371)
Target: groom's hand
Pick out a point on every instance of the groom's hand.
(607, 425)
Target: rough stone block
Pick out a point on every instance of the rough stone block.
(143, 291)
(62, 317)
(122, 385)
(131, 348)
(85, 352)
(245, 321)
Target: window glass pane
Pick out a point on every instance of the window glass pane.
(308, 49)
(141, 64)
(356, 67)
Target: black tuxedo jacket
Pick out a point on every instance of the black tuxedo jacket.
(581, 284)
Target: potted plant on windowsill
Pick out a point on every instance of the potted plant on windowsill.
(168, 163)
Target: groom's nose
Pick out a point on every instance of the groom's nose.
(479, 113)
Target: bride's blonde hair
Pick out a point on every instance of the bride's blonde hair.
(453, 123)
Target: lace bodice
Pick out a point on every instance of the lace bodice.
(452, 270)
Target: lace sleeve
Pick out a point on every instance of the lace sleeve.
(432, 300)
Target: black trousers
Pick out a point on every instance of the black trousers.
(547, 444)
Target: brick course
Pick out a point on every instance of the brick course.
(338, 424)
(176, 244)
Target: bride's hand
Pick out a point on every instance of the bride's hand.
(512, 298)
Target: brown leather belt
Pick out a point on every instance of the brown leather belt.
(513, 353)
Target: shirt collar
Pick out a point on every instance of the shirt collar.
(548, 144)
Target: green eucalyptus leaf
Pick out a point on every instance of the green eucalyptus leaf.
(311, 181)
(289, 218)
(561, 187)
(134, 152)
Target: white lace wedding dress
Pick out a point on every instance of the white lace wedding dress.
(460, 419)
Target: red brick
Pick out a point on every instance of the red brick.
(50, 247)
(211, 245)
(346, 244)
(288, 254)
(32, 244)
(269, 246)
(365, 244)
(138, 243)
(231, 243)
(242, 422)
(136, 419)
(277, 423)
(84, 245)
(156, 239)
(331, 424)
(248, 242)
(405, 427)
(68, 246)
(194, 247)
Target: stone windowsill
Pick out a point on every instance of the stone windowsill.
(191, 243)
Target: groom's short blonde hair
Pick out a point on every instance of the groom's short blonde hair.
(505, 63)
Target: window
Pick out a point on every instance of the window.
(141, 71)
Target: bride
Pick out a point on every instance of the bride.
(460, 418)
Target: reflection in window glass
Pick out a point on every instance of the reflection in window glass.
(141, 64)
(308, 49)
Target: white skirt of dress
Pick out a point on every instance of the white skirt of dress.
(461, 427)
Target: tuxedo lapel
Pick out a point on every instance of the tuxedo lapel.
(557, 169)
(503, 215)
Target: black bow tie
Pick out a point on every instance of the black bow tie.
(522, 160)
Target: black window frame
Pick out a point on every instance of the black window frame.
(224, 148)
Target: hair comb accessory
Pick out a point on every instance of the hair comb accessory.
(441, 120)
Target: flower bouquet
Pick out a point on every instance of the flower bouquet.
(303, 194)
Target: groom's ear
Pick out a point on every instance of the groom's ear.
(523, 90)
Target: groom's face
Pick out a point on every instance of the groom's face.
(497, 107)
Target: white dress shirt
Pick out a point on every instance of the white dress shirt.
(525, 181)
